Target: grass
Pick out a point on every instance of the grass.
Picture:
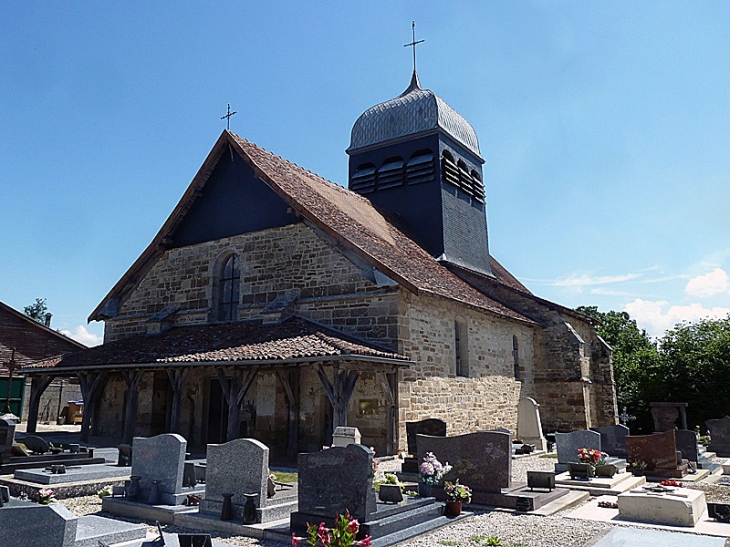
(477, 539)
(448, 542)
(550, 456)
(283, 476)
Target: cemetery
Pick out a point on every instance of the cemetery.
(604, 476)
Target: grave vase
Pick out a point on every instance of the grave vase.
(424, 490)
(133, 490)
(154, 493)
(227, 509)
(453, 508)
(249, 509)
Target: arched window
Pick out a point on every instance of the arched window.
(516, 357)
(390, 173)
(461, 349)
(229, 282)
(448, 168)
(419, 168)
(363, 179)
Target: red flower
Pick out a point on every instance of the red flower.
(353, 526)
(365, 542)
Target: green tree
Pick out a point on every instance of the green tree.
(37, 310)
(696, 368)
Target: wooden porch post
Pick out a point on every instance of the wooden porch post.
(92, 384)
(177, 379)
(38, 386)
(291, 388)
(339, 391)
(131, 377)
(389, 383)
(234, 390)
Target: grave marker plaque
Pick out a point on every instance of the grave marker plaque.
(720, 436)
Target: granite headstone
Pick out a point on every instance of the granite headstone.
(568, 444)
(481, 460)
(337, 480)
(33, 525)
(658, 452)
(668, 415)
(686, 441)
(160, 458)
(240, 466)
(613, 440)
(7, 436)
(529, 426)
(719, 436)
(431, 426)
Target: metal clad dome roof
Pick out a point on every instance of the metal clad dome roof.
(413, 111)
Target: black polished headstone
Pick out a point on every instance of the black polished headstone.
(613, 440)
(432, 426)
(7, 435)
(336, 480)
(687, 444)
(719, 436)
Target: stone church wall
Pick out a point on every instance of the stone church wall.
(488, 397)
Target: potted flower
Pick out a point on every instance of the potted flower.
(638, 467)
(342, 534)
(596, 460)
(432, 471)
(456, 495)
(46, 496)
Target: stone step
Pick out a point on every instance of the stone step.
(92, 531)
(417, 530)
(405, 519)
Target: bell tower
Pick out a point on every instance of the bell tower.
(417, 158)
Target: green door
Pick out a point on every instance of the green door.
(17, 394)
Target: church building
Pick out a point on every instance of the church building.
(277, 305)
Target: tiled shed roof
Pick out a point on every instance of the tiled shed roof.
(293, 340)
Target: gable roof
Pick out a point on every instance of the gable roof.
(15, 338)
(295, 340)
(348, 218)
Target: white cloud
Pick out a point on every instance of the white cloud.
(658, 316)
(711, 284)
(580, 281)
(81, 334)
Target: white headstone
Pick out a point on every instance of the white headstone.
(344, 436)
(529, 427)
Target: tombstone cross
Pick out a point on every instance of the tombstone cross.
(414, 43)
(625, 417)
(227, 117)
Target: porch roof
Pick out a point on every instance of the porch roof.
(295, 340)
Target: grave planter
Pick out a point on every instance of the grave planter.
(608, 470)
(719, 511)
(390, 493)
(581, 470)
(249, 509)
(453, 508)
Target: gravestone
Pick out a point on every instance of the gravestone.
(239, 467)
(568, 444)
(686, 441)
(334, 481)
(160, 458)
(480, 460)
(719, 436)
(613, 440)
(7, 436)
(658, 452)
(430, 426)
(34, 525)
(529, 426)
(344, 436)
(667, 416)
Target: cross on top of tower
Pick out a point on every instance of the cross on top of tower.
(227, 117)
(414, 43)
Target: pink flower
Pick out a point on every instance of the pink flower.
(365, 542)
(353, 526)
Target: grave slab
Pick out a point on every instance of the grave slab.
(33, 525)
(92, 530)
(73, 474)
(681, 507)
(599, 486)
(121, 507)
(622, 537)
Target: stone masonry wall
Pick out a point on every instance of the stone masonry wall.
(488, 397)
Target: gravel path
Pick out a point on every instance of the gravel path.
(515, 530)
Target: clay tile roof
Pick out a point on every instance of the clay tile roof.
(343, 215)
(235, 343)
(355, 222)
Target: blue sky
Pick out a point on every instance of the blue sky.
(605, 128)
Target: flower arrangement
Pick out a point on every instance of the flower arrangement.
(432, 471)
(46, 496)
(342, 535)
(390, 478)
(106, 491)
(592, 456)
(457, 492)
(672, 482)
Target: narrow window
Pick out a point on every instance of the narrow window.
(460, 349)
(516, 356)
(420, 167)
(449, 171)
(390, 173)
(363, 179)
(229, 283)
